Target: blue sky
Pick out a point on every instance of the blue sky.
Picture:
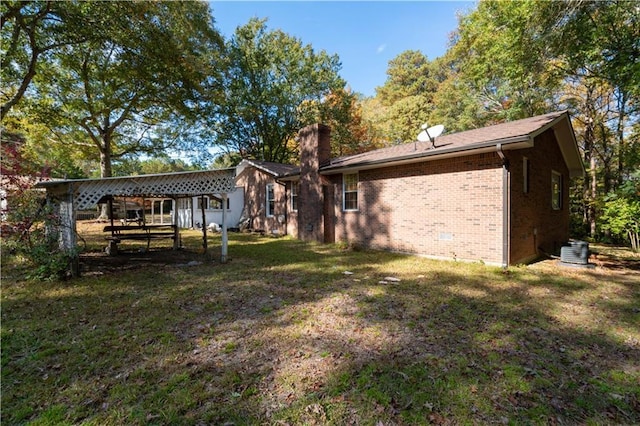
(366, 35)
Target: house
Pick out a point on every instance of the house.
(265, 196)
(191, 210)
(498, 194)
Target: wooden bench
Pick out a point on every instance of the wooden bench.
(140, 232)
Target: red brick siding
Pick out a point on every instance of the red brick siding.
(533, 221)
(315, 149)
(254, 182)
(449, 208)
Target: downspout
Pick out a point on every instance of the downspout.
(286, 206)
(506, 206)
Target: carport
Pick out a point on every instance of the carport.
(68, 196)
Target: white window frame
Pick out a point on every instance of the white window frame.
(346, 176)
(295, 188)
(220, 209)
(206, 202)
(269, 211)
(556, 190)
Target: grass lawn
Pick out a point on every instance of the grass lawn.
(295, 333)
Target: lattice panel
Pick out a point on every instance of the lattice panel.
(89, 192)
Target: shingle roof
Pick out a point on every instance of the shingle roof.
(275, 169)
(513, 134)
(510, 132)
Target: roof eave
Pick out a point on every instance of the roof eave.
(240, 168)
(517, 142)
(52, 183)
(568, 144)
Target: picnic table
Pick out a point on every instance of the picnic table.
(139, 232)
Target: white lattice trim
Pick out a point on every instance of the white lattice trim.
(87, 193)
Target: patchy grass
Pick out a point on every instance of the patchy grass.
(281, 335)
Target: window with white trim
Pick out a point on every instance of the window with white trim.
(350, 191)
(216, 204)
(556, 190)
(271, 200)
(203, 203)
(295, 187)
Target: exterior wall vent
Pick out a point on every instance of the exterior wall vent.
(576, 253)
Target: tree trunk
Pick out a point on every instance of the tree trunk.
(634, 237)
(105, 171)
(590, 188)
(592, 196)
(620, 133)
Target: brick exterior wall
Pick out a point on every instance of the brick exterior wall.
(315, 150)
(449, 208)
(254, 182)
(534, 223)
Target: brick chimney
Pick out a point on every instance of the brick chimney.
(315, 151)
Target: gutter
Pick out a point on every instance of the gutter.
(506, 207)
(430, 154)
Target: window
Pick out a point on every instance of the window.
(203, 201)
(525, 175)
(556, 190)
(295, 186)
(350, 191)
(271, 200)
(216, 203)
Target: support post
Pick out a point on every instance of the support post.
(204, 225)
(176, 233)
(67, 231)
(192, 213)
(225, 240)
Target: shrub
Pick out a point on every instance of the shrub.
(27, 231)
(621, 212)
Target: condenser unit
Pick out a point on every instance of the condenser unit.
(576, 253)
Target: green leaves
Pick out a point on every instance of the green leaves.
(271, 79)
(621, 212)
(131, 86)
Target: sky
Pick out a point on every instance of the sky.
(366, 35)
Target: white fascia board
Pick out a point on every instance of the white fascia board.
(510, 144)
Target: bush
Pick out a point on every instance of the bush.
(621, 212)
(26, 232)
(49, 262)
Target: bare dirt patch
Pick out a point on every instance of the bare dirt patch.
(94, 263)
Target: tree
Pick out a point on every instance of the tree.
(31, 30)
(600, 58)
(407, 95)
(270, 78)
(621, 213)
(131, 89)
(511, 60)
(127, 93)
(342, 112)
(132, 166)
(500, 55)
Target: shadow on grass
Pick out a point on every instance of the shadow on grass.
(282, 334)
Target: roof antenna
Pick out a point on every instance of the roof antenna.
(430, 133)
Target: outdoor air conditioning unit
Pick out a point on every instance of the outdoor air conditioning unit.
(576, 253)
